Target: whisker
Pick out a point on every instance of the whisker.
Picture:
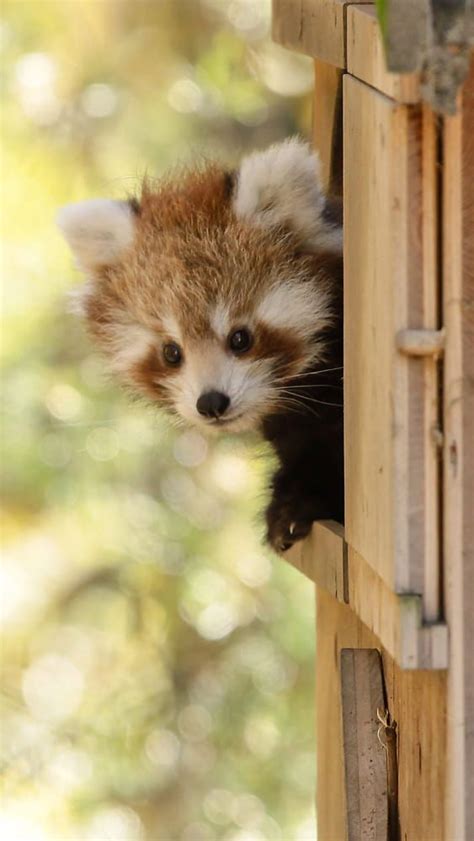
(317, 371)
(296, 406)
(304, 410)
(302, 397)
(316, 385)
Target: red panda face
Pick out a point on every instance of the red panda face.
(210, 293)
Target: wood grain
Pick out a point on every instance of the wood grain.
(416, 701)
(458, 216)
(322, 557)
(365, 759)
(397, 620)
(314, 27)
(366, 57)
(387, 396)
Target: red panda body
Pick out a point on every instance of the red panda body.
(218, 296)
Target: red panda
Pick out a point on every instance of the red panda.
(218, 295)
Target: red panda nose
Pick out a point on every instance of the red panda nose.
(212, 404)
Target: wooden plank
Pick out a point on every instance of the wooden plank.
(365, 759)
(458, 245)
(336, 627)
(366, 57)
(416, 701)
(314, 27)
(397, 620)
(432, 366)
(387, 399)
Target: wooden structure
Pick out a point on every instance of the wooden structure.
(395, 729)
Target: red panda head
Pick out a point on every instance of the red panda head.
(211, 291)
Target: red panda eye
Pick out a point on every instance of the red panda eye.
(240, 340)
(172, 354)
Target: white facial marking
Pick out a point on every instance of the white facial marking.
(132, 343)
(171, 327)
(300, 307)
(210, 368)
(97, 231)
(220, 320)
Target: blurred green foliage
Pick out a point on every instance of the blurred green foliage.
(381, 6)
(157, 661)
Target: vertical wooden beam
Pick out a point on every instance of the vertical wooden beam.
(383, 293)
(337, 627)
(365, 758)
(431, 320)
(458, 244)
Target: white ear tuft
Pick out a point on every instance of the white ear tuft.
(98, 231)
(281, 187)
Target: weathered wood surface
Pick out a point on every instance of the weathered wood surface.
(416, 700)
(366, 57)
(322, 558)
(395, 162)
(365, 758)
(458, 294)
(421, 342)
(314, 27)
(397, 620)
(391, 456)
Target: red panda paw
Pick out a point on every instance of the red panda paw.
(293, 509)
(285, 525)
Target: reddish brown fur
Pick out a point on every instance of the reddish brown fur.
(196, 271)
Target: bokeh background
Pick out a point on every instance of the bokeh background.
(157, 660)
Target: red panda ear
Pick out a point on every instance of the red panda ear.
(280, 187)
(97, 231)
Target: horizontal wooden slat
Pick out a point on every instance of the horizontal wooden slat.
(314, 27)
(366, 57)
(396, 620)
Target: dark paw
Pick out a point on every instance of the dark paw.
(285, 527)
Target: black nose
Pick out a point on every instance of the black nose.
(212, 404)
